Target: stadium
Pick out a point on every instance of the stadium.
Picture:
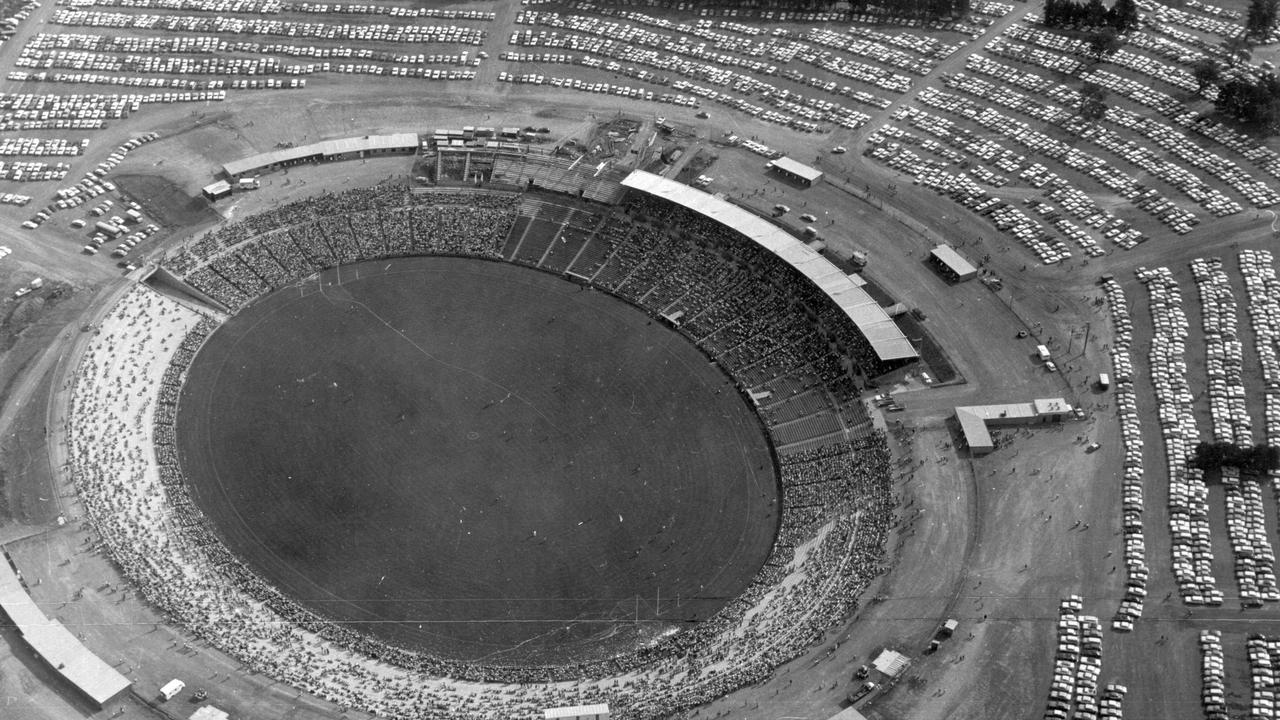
(665, 360)
(832, 464)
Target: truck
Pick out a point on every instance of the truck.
(862, 691)
(1044, 353)
(109, 229)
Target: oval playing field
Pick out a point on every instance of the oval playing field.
(478, 460)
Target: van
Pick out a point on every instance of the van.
(171, 689)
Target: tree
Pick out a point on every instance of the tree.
(1261, 18)
(1093, 104)
(1257, 460)
(1238, 49)
(1104, 42)
(1123, 16)
(1251, 102)
(1095, 13)
(1207, 73)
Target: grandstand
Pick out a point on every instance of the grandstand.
(53, 642)
(735, 299)
(326, 151)
(872, 321)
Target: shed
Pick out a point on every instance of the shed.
(891, 662)
(217, 191)
(795, 171)
(951, 264)
(577, 712)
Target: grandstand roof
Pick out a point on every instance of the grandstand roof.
(396, 141)
(55, 643)
(882, 333)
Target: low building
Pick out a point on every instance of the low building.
(974, 419)
(795, 171)
(209, 712)
(216, 191)
(577, 712)
(326, 151)
(950, 263)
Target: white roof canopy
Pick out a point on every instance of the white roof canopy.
(882, 333)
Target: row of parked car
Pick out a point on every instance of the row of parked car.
(1077, 665)
(1224, 367)
(1257, 192)
(1213, 685)
(32, 170)
(1147, 198)
(629, 43)
(1079, 204)
(1262, 288)
(213, 45)
(197, 87)
(93, 184)
(1263, 656)
(1132, 503)
(1188, 496)
(223, 24)
(965, 191)
(1138, 155)
(10, 146)
(1227, 27)
(38, 111)
(1154, 70)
